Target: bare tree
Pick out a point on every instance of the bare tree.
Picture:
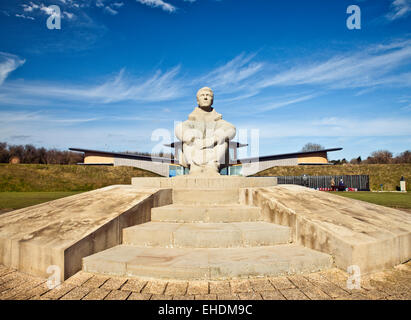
(4, 153)
(404, 157)
(380, 156)
(355, 160)
(312, 147)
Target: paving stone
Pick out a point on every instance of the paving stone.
(160, 297)
(37, 291)
(21, 289)
(155, 287)
(354, 296)
(228, 297)
(250, 296)
(293, 294)
(139, 296)
(97, 294)
(398, 297)
(8, 277)
(281, 283)
(272, 295)
(206, 297)
(134, 285)
(189, 297)
(39, 298)
(4, 270)
(315, 293)
(77, 293)
(79, 278)
(375, 294)
(58, 292)
(220, 287)
(261, 285)
(299, 281)
(240, 286)
(117, 295)
(95, 281)
(197, 287)
(176, 288)
(330, 288)
(5, 288)
(113, 283)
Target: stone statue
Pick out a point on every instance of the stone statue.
(205, 137)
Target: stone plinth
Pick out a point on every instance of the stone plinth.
(189, 182)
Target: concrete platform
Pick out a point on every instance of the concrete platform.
(63, 231)
(195, 213)
(206, 264)
(186, 181)
(206, 235)
(206, 196)
(354, 232)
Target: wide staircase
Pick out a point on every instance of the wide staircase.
(206, 234)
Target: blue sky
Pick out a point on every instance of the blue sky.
(119, 73)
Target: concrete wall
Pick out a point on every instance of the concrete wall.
(313, 158)
(90, 157)
(157, 167)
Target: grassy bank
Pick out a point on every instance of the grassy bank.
(51, 178)
(387, 174)
(388, 199)
(18, 200)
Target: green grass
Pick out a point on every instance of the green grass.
(388, 199)
(387, 174)
(18, 200)
(39, 177)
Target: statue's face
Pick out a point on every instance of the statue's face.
(205, 98)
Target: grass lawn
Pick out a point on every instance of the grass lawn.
(388, 199)
(18, 200)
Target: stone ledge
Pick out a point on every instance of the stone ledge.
(354, 232)
(63, 231)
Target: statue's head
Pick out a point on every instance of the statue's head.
(205, 97)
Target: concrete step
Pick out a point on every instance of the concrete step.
(206, 196)
(206, 264)
(206, 235)
(201, 213)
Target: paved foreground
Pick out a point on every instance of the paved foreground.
(394, 284)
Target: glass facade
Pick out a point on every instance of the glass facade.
(176, 170)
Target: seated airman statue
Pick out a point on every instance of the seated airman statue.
(205, 137)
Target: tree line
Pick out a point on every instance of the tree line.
(376, 157)
(379, 157)
(30, 154)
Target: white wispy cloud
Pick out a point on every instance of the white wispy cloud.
(238, 79)
(110, 10)
(333, 127)
(233, 75)
(23, 16)
(158, 87)
(399, 9)
(8, 63)
(372, 66)
(159, 3)
(288, 102)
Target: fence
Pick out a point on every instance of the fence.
(361, 182)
